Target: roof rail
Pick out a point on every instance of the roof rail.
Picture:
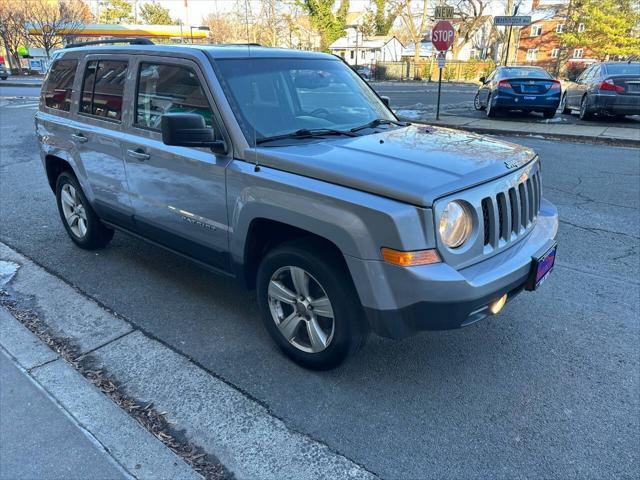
(250, 44)
(109, 41)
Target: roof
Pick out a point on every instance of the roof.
(213, 51)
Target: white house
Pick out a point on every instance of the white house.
(357, 49)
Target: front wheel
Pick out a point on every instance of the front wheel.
(309, 304)
(476, 102)
(81, 222)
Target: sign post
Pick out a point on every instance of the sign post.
(442, 39)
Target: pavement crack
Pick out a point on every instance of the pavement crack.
(587, 199)
(598, 230)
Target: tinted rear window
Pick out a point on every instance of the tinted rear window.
(59, 86)
(523, 72)
(623, 68)
(103, 88)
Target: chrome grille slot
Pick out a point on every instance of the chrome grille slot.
(486, 220)
(502, 215)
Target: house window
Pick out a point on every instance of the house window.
(532, 54)
(581, 28)
(577, 53)
(363, 54)
(536, 30)
(352, 54)
(560, 28)
(555, 52)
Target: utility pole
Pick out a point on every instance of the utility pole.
(506, 61)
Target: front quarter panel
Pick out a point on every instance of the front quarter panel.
(358, 223)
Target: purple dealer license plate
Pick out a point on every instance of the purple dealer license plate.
(541, 268)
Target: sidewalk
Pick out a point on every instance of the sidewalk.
(39, 440)
(598, 134)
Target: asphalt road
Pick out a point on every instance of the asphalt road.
(547, 389)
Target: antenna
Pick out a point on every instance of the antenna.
(256, 167)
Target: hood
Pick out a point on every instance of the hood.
(415, 164)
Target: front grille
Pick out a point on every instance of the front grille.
(509, 214)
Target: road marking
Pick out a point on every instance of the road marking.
(22, 105)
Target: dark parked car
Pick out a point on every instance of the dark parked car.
(609, 88)
(3, 72)
(363, 71)
(529, 89)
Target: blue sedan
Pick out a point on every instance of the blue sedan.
(529, 89)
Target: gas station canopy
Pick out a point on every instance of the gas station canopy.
(148, 31)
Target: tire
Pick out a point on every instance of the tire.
(3, 78)
(327, 277)
(476, 102)
(491, 111)
(585, 113)
(549, 113)
(79, 219)
(563, 105)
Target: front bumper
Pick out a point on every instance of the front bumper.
(399, 302)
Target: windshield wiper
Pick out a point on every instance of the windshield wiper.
(307, 133)
(380, 121)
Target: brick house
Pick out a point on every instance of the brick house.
(539, 43)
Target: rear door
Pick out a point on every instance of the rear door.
(97, 133)
(178, 193)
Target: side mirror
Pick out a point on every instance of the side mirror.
(386, 100)
(189, 130)
(483, 79)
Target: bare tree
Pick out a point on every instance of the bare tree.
(12, 31)
(415, 17)
(471, 15)
(55, 20)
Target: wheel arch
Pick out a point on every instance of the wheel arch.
(54, 166)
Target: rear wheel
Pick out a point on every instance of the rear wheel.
(491, 111)
(309, 304)
(585, 113)
(81, 222)
(563, 105)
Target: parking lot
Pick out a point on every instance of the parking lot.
(547, 388)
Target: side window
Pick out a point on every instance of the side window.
(168, 88)
(59, 86)
(103, 88)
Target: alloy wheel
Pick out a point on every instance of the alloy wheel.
(301, 309)
(476, 102)
(74, 212)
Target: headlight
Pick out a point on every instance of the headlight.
(455, 224)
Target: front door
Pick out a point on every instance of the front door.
(178, 193)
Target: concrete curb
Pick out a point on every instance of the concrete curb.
(138, 453)
(523, 131)
(212, 414)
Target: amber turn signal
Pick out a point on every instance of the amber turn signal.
(409, 259)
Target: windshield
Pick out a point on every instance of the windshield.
(278, 96)
(524, 72)
(623, 68)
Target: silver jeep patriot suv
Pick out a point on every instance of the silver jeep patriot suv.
(285, 170)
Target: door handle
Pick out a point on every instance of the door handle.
(138, 154)
(80, 138)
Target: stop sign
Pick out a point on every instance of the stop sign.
(442, 35)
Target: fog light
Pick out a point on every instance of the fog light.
(496, 306)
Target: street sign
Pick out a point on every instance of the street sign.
(442, 60)
(443, 11)
(512, 21)
(442, 35)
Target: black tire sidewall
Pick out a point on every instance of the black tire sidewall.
(349, 328)
(97, 235)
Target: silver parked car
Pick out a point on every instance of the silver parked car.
(284, 170)
(609, 88)
(4, 74)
